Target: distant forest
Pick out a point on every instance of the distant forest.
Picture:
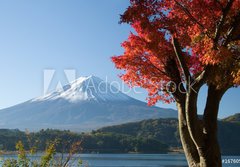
(149, 136)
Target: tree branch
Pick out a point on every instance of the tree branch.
(233, 28)
(201, 78)
(192, 17)
(222, 20)
(175, 75)
(181, 61)
(155, 67)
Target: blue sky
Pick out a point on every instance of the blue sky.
(65, 34)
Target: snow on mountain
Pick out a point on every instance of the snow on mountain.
(86, 88)
(85, 104)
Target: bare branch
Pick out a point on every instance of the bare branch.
(222, 20)
(232, 29)
(201, 78)
(175, 76)
(182, 63)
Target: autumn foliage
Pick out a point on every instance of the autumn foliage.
(208, 34)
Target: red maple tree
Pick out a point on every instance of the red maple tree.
(178, 46)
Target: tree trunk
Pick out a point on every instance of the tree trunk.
(187, 143)
(212, 148)
(199, 137)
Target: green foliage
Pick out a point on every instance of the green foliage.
(114, 143)
(22, 160)
(48, 155)
(101, 142)
(9, 138)
(163, 130)
(10, 163)
(46, 160)
(148, 136)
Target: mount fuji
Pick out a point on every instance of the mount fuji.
(85, 104)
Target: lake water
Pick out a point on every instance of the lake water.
(143, 160)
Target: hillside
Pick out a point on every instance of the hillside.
(148, 136)
(233, 118)
(165, 130)
(91, 142)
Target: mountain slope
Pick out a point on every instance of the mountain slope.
(85, 104)
(148, 136)
(166, 131)
(233, 118)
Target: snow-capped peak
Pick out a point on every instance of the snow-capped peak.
(86, 88)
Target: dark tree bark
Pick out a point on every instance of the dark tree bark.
(199, 135)
(212, 149)
(187, 143)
